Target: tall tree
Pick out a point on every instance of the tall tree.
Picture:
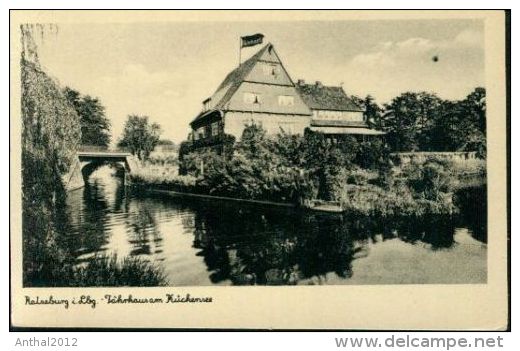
(475, 106)
(372, 111)
(140, 136)
(409, 118)
(461, 125)
(95, 127)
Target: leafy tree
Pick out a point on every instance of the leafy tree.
(372, 111)
(257, 164)
(254, 143)
(95, 127)
(461, 125)
(372, 154)
(474, 107)
(335, 155)
(140, 136)
(409, 118)
(289, 149)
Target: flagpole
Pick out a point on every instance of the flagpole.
(239, 51)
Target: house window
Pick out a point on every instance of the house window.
(271, 70)
(286, 100)
(200, 133)
(214, 128)
(339, 115)
(252, 98)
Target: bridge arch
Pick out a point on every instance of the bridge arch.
(88, 161)
(89, 167)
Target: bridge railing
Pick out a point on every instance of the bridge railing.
(98, 148)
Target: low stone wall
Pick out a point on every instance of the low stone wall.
(401, 158)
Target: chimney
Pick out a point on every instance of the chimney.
(318, 84)
(301, 82)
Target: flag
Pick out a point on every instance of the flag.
(251, 40)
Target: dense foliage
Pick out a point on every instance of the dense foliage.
(95, 126)
(50, 134)
(424, 122)
(140, 136)
(222, 144)
(284, 168)
(297, 169)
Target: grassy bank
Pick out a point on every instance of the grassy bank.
(417, 189)
(108, 271)
(397, 200)
(60, 271)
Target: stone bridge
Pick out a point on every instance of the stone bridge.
(87, 161)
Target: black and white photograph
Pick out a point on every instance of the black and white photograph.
(262, 153)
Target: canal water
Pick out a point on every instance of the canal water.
(219, 243)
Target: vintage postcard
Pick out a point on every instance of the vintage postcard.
(259, 169)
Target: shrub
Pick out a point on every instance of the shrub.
(159, 158)
(163, 177)
(360, 176)
(398, 201)
(430, 180)
(198, 162)
(372, 154)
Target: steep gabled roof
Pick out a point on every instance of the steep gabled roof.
(232, 82)
(234, 78)
(320, 97)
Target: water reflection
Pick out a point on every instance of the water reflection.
(203, 243)
(143, 233)
(473, 204)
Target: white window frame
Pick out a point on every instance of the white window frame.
(214, 129)
(271, 69)
(251, 97)
(285, 100)
(345, 116)
(201, 132)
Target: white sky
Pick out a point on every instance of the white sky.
(165, 70)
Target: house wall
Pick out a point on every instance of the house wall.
(268, 99)
(235, 122)
(269, 72)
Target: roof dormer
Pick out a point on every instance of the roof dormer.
(206, 105)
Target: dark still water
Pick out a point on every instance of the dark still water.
(204, 242)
